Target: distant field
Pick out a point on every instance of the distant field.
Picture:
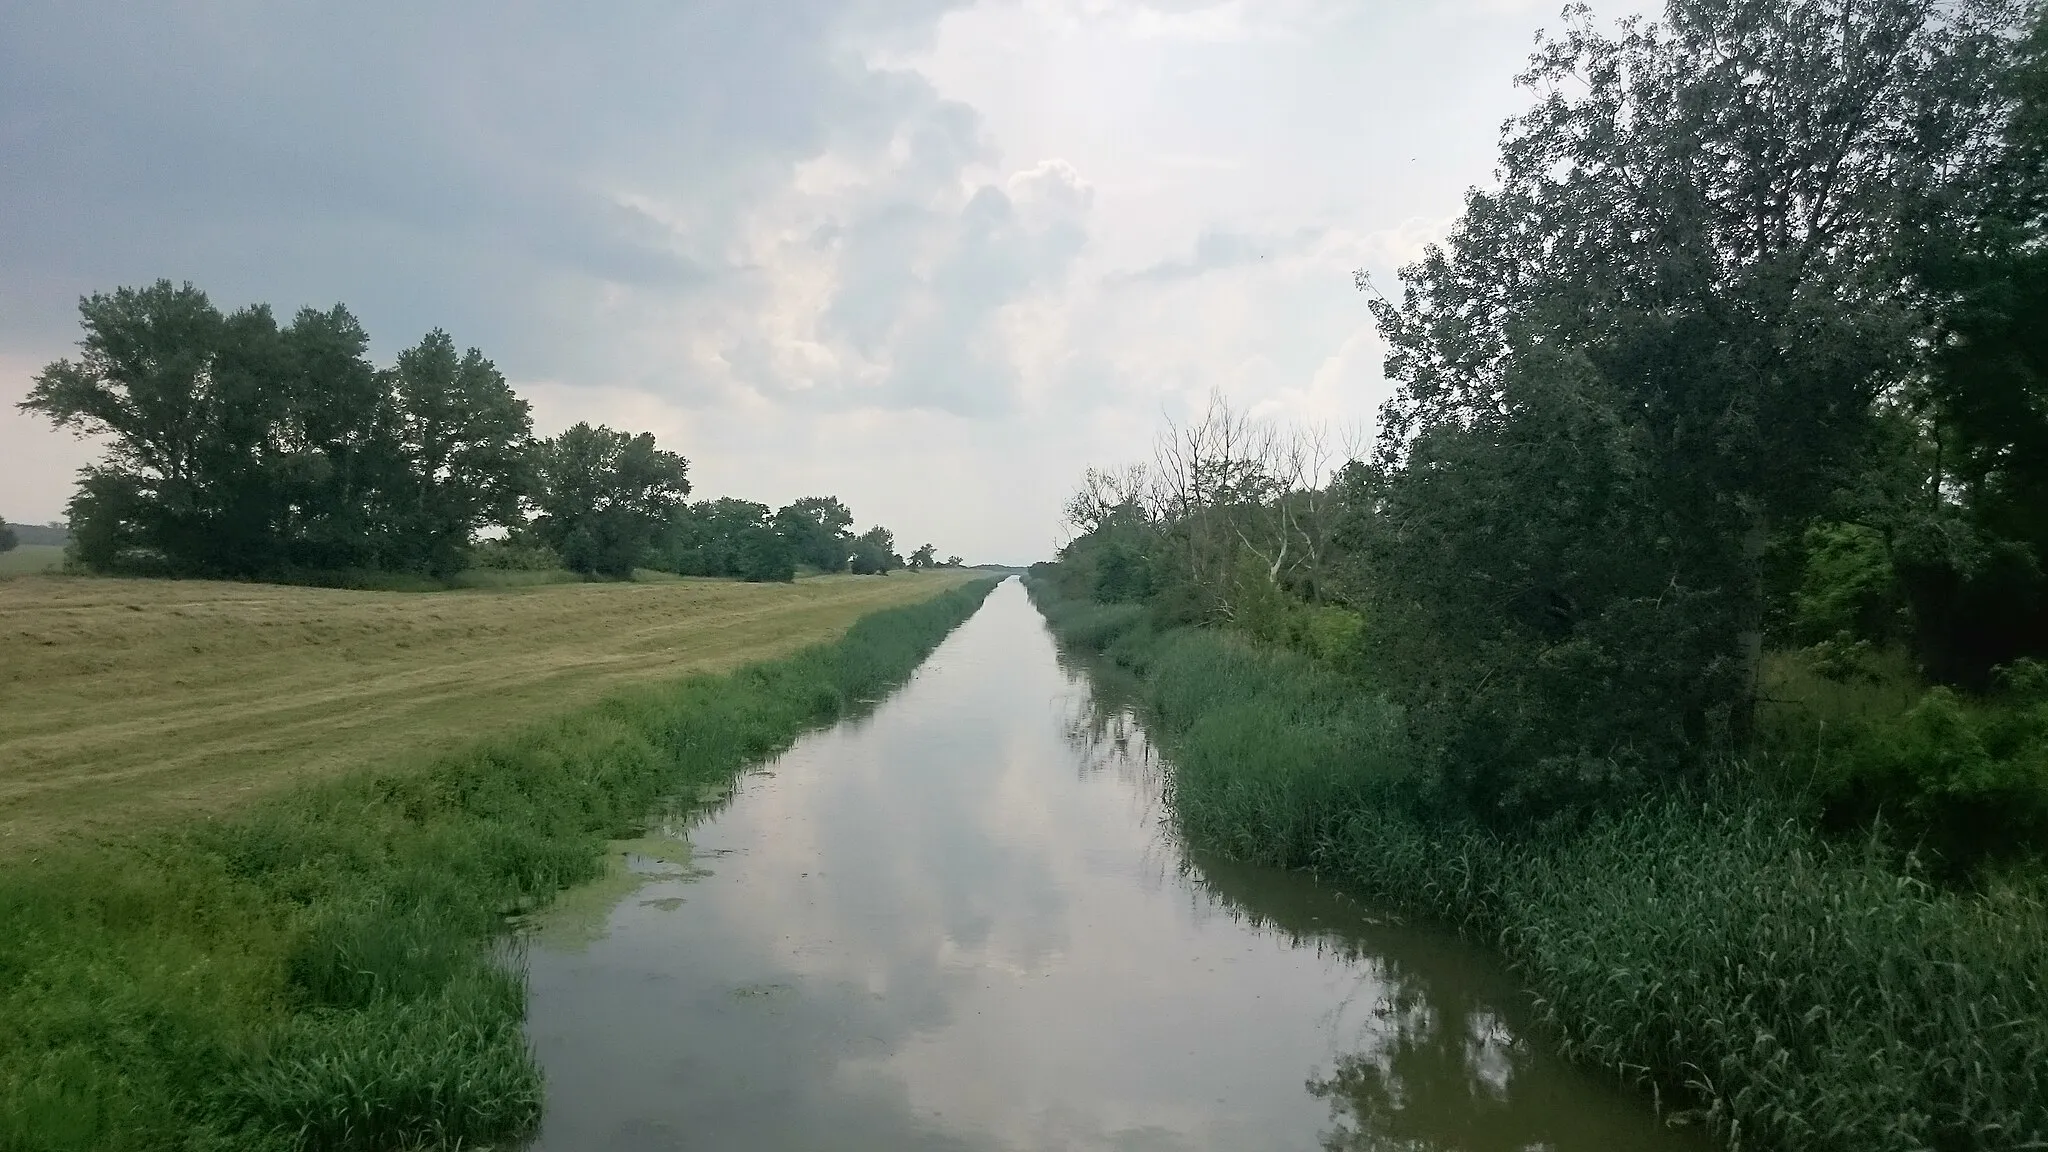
(31, 558)
(125, 700)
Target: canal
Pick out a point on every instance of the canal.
(960, 922)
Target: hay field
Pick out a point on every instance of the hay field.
(29, 559)
(126, 701)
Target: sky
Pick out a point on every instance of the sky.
(934, 257)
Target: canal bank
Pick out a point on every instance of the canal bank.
(960, 922)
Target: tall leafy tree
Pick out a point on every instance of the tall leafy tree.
(1972, 547)
(819, 530)
(144, 381)
(8, 539)
(924, 557)
(1658, 343)
(462, 434)
(874, 552)
(604, 497)
(715, 537)
(341, 429)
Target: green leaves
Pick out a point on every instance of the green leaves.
(236, 448)
(604, 497)
(1664, 337)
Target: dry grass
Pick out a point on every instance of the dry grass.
(123, 701)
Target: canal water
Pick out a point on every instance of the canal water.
(959, 922)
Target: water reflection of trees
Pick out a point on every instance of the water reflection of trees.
(1439, 1061)
(1443, 1060)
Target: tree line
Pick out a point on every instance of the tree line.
(1745, 353)
(240, 447)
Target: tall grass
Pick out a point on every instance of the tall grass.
(316, 973)
(1792, 991)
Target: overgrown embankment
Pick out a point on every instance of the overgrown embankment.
(313, 973)
(1794, 992)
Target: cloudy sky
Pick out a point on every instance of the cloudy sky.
(933, 257)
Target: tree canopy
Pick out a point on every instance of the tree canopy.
(605, 497)
(1743, 348)
(239, 448)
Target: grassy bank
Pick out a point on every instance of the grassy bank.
(130, 700)
(1792, 991)
(312, 972)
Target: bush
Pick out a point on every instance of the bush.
(1967, 779)
(514, 554)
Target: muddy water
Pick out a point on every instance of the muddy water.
(957, 923)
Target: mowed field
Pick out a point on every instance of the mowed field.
(127, 701)
(31, 558)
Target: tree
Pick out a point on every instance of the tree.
(766, 557)
(143, 380)
(340, 429)
(819, 530)
(463, 436)
(953, 562)
(1972, 540)
(923, 557)
(728, 537)
(1671, 326)
(604, 497)
(8, 540)
(874, 552)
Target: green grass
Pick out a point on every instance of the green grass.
(1793, 991)
(314, 971)
(30, 559)
(129, 702)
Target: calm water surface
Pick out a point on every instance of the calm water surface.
(957, 923)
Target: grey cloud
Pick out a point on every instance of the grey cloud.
(935, 326)
(429, 164)
(1217, 250)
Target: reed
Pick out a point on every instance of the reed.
(1793, 991)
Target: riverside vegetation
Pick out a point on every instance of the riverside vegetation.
(1682, 633)
(1793, 990)
(315, 970)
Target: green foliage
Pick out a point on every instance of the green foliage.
(1550, 640)
(8, 539)
(520, 553)
(733, 538)
(1964, 779)
(1848, 591)
(819, 530)
(1986, 401)
(1974, 596)
(874, 553)
(316, 973)
(1669, 331)
(463, 435)
(1788, 991)
(236, 448)
(605, 497)
(766, 557)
